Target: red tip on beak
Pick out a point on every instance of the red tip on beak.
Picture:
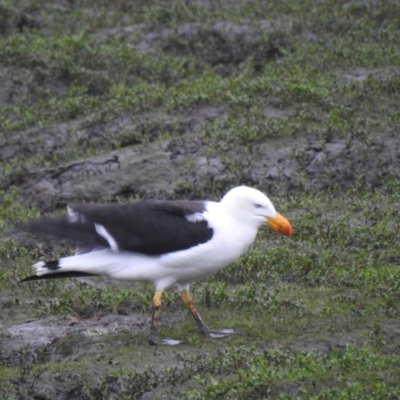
(280, 225)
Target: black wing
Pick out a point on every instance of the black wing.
(149, 227)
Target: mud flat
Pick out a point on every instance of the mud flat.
(116, 102)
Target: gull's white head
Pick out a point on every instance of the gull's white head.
(255, 207)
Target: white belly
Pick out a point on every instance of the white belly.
(229, 241)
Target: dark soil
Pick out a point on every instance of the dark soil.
(158, 150)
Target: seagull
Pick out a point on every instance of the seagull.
(163, 242)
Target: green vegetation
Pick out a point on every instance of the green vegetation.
(334, 84)
(316, 315)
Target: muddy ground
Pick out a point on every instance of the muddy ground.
(56, 148)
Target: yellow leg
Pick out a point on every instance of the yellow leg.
(187, 301)
(152, 338)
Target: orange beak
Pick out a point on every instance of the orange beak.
(280, 225)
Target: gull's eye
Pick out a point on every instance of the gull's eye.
(257, 205)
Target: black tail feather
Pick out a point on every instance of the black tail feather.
(57, 275)
(63, 228)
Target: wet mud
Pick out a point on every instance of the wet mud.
(146, 162)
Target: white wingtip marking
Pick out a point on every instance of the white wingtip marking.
(74, 216)
(39, 270)
(105, 234)
(196, 217)
(39, 264)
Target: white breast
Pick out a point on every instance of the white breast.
(230, 240)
